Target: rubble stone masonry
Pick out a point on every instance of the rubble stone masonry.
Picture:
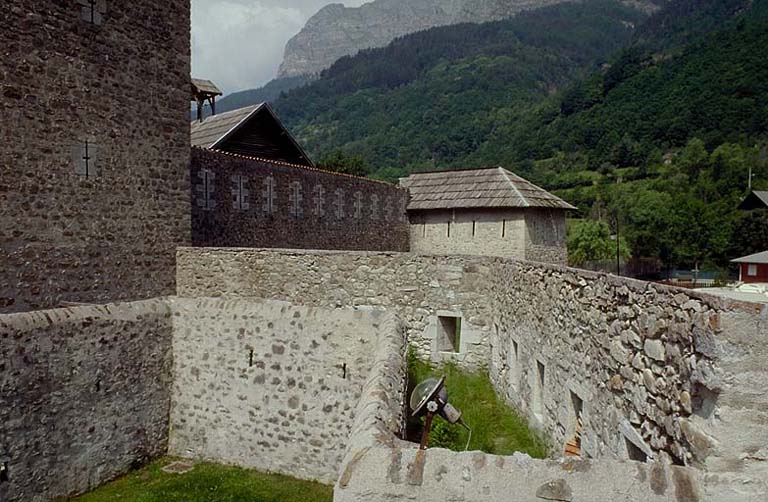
(94, 150)
(84, 396)
(651, 372)
(244, 202)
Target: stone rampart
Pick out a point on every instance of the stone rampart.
(269, 385)
(94, 150)
(417, 288)
(84, 396)
(650, 372)
(646, 371)
(241, 201)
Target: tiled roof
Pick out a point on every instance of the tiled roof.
(753, 258)
(213, 129)
(477, 188)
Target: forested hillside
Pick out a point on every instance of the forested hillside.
(651, 123)
(434, 97)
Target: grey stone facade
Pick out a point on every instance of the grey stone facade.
(94, 150)
(659, 373)
(525, 234)
(84, 396)
(269, 385)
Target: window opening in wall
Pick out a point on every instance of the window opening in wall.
(98, 385)
(424, 230)
(449, 229)
(503, 228)
(449, 333)
(474, 227)
(250, 358)
(538, 390)
(514, 365)
(752, 270)
(93, 11)
(4, 471)
(634, 452)
(573, 446)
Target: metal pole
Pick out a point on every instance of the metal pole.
(618, 254)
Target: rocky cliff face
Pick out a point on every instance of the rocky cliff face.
(337, 31)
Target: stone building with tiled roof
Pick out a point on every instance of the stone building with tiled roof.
(488, 211)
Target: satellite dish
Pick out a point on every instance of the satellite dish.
(431, 397)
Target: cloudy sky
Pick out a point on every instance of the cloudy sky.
(239, 43)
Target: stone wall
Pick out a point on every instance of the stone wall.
(94, 150)
(380, 467)
(269, 385)
(246, 202)
(472, 231)
(650, 370)
(417, 288)
(657, 372)
(532, 234)
(545, 236)
(84, 396)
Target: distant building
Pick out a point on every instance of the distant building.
(485, 212)
(753, 268)
(755, 200)
(253, 131)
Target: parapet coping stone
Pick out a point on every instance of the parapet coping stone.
(637, 285)
(122, 311)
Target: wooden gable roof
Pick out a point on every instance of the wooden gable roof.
(493, 187)
(253, 131)
(755, 200)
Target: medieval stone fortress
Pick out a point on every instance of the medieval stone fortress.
(206, 292)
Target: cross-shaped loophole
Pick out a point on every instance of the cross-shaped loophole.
(87, 159)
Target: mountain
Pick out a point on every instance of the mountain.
(337, 31)
(651, 122)
(434, 96)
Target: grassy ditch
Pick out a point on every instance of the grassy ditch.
(208, 483)
(496, 428)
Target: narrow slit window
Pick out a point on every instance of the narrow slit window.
(514, 365)
(474, 228)
(573, 446)
(449, 229)
(424, 230)
(538, 389)
(503, 228)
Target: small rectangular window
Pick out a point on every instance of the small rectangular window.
(449, 333)
(752, 270)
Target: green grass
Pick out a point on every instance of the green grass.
(496, 428)
(208, 483)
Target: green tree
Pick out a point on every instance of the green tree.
(339, 162)
(590, 240)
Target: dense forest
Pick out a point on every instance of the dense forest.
(648, 124)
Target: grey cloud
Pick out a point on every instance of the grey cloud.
(239, 43)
